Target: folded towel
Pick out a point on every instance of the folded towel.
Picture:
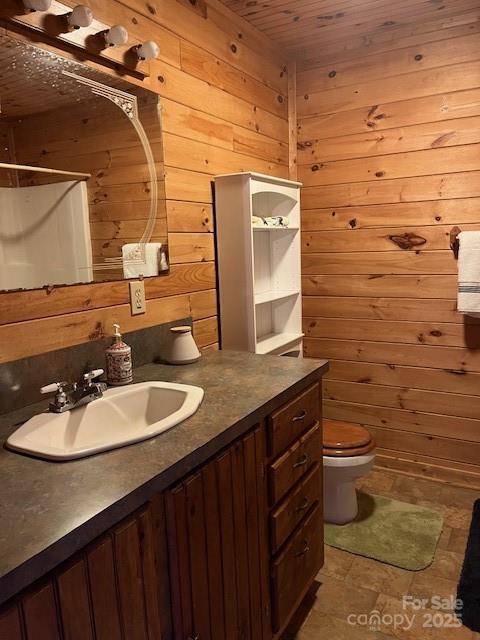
(141, 259)
(272, 221)
(469, 273)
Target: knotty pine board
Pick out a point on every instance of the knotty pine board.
(404, 35)
(416, 84)
(446, 381)
(432, 402)
(400, 214)
(389, 64)
(426, 333)
(408, 309)
(459, 360)
(460, 131)
(381, 263)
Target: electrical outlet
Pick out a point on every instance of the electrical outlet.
(137, 297)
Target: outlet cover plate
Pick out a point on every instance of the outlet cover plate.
(137, 297)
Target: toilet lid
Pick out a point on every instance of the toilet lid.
(344, 435)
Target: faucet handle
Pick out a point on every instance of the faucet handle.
(52, 388)
(60, 402)
(91, 375)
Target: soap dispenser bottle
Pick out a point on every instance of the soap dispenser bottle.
(119, 361)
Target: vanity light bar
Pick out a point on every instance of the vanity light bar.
(81, 17)
(76, 26)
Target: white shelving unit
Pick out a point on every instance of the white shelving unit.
(259, 267)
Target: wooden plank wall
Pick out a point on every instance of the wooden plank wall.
(224, 108)
(389, 152)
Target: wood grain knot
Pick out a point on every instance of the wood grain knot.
(408, 241)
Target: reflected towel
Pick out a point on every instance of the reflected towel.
(141, 259)
(469, 273)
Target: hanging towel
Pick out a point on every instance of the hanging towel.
(469, 273)
(141, 259)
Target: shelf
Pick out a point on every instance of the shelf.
(264, 261)
(273, 341)
(271, 296)
(265, 228)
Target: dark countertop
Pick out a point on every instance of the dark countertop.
(50, 510)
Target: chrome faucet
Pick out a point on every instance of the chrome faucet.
(69, 395)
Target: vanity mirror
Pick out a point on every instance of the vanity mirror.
(82, 195)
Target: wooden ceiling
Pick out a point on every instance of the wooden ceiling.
(299, 24)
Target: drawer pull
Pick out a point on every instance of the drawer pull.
(303, 506)
(301, 416)
(301, 462)
(306, 549)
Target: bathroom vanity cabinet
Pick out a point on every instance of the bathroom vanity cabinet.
(226, 553)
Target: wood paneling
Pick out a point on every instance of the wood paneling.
(388, 149)
(223, 88)
(343, 27)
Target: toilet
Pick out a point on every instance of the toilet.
(348, 454)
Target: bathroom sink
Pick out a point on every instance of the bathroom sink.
(122, 416)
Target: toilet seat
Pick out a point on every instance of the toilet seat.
(343, 439)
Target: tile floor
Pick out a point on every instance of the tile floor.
(350, 585)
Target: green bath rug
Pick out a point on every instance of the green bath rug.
(404, 535)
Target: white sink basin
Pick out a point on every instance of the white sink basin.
(123, 416)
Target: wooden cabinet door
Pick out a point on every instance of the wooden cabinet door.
(216, 522)
(117, 588)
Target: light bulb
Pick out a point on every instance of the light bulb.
(81, 16)
(116, 35)
(148, 50)
(37, 5)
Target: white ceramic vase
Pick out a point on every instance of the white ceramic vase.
(182, 348)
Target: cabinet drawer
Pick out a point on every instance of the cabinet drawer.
(296, 568)
(292, 510)
(290, 467)
(286, 424)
